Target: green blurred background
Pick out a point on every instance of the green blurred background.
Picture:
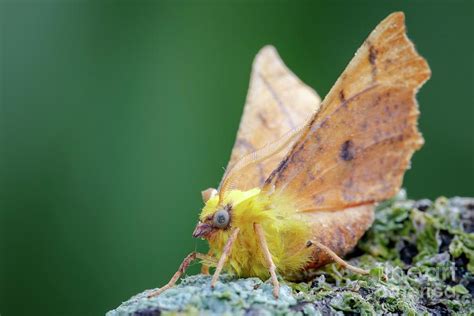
(114, 116)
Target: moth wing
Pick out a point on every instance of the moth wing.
(356, 149)
(277, 102)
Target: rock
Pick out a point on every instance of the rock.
(426, 250)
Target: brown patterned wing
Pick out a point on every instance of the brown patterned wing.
(277, 102)
(356, 149)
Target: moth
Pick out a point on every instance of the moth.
(305, 176)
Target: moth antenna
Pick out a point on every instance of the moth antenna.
(255, 157)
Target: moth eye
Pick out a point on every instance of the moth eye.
(221, 219)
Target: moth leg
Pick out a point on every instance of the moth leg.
(225, 254)
(182, 268)
(268, 258)
(205, 267)
(336, 258)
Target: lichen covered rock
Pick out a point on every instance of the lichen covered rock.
(421, 258)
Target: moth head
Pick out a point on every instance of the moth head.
(213, 223)
(214, 216)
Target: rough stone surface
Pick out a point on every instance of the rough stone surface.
(424, 248)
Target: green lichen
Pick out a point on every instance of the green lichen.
(420, 255)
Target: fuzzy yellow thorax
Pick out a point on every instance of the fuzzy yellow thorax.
(285, 231)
